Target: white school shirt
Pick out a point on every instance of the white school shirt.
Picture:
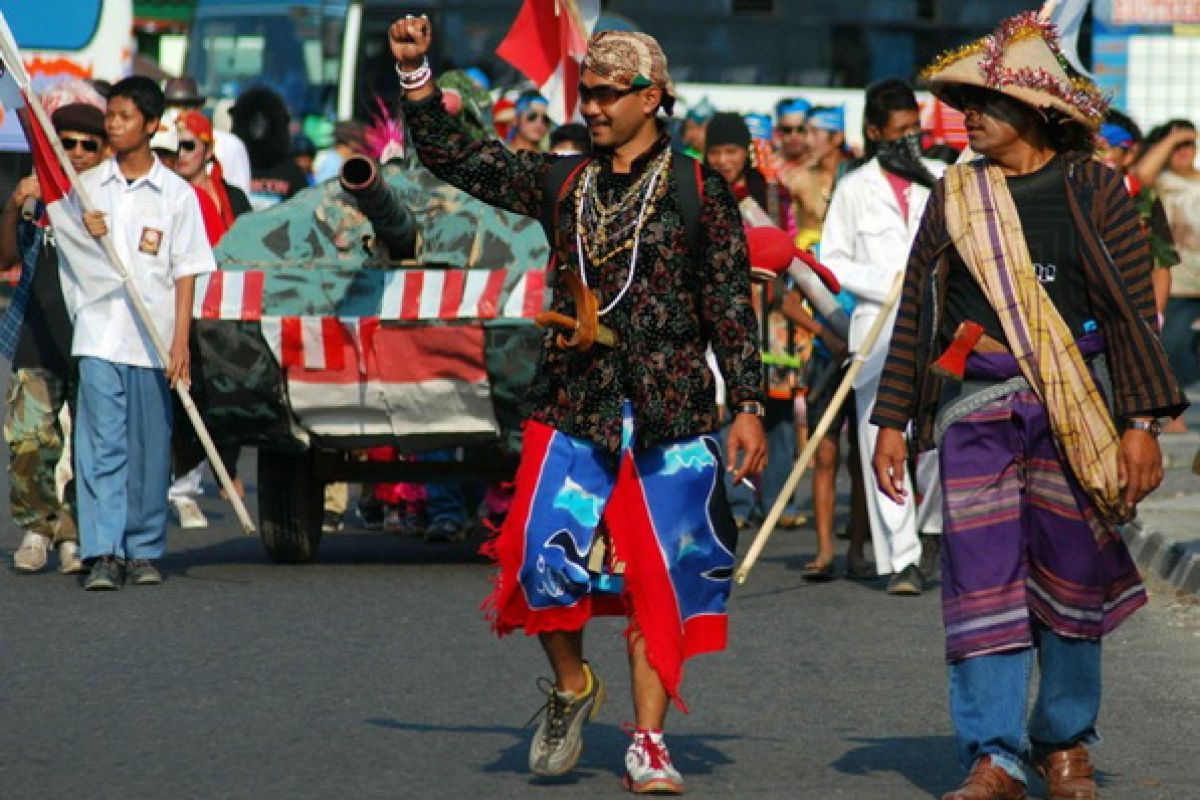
(157, 230)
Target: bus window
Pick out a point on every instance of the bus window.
(75, 23)
(287, 51)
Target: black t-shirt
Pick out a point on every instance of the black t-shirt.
(45, 340)
(1053, 242)
(273, 184)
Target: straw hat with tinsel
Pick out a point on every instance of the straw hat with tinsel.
(1021, 59)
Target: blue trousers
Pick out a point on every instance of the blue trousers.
(988, 698)
(780, 428)
(122, 459)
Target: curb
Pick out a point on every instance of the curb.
(1178, 563)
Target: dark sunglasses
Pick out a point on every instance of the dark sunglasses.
(787, 130)
(89, 145)
(188, 146)
(537, 116)
(604, 95)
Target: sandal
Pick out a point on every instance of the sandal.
(818, 573)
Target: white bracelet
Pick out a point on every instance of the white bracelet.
(417, 77)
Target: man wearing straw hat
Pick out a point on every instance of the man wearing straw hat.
(1025, 349)
(619, 460)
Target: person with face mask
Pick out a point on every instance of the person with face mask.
(620, 463)
(872, 218)
(1026, 349)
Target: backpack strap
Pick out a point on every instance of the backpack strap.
(556, 185)
(689, 185)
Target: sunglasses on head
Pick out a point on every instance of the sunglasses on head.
(604, 94)
(188, 145)
(89, 145)
(537, 116)
(787, 130)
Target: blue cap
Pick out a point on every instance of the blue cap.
(792, 105)
(759, 125)
(701, 112)
(529, 99)
(1116, 136)
(828, 118)
(479, 76)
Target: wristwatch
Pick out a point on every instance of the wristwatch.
(751, 407)
(1150, 426)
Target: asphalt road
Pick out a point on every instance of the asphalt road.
(372, 674)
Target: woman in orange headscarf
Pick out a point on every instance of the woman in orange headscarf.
(220, 203)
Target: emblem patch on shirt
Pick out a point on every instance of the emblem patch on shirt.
(150, 242)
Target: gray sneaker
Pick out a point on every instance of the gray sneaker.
(107, 575)
(558, 742)
(142, 572)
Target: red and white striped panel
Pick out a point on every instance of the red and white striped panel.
(407, 295)
(229, 295)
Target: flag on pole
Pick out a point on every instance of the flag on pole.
(85, 269)
(1067, 16)
(547, 43)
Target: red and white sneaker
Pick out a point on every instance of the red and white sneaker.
(648, 768)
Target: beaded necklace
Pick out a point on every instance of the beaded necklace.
(595, 219)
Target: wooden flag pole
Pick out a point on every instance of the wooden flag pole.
(12, 59)
(814, 439)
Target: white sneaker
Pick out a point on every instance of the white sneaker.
(648, 768)
(68, 559)
(31, 555)
(190, 515)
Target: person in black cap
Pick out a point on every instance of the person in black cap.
(36, 338)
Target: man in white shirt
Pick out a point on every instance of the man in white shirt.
(123, 419)
(872, 219)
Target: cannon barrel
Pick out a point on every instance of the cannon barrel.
(393, 222)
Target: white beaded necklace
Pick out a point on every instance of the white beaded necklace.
(637, 235)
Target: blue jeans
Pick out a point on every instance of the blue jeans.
(988, 698)
(445, 502)
(122, 459)
(1179, 340)
(780, 428)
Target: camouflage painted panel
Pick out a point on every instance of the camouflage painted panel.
(322, 228)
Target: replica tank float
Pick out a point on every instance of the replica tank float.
(382, 308)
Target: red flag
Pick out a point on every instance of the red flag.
(547, 43)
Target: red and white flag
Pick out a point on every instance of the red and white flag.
(86, 271)
(547, 43)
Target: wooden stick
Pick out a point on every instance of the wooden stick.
(814, 439)
(139, 307)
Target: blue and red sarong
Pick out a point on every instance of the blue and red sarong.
(1020, 536)
(666, 519)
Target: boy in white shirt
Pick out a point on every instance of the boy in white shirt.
(123, 419)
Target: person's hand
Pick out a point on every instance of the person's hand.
(95, 224)
(180, 366)
(891, 454)
(27, 188)
(746, 437)
(409, 39)
(1139, 466)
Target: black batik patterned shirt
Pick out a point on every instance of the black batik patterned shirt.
(675, 307)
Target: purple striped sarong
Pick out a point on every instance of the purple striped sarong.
(1020, 536)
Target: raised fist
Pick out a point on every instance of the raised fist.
(409, 39)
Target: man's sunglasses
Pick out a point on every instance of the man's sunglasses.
(788, 130)
(537, 116)
(604, 95)
(89, 145)
(188, 145)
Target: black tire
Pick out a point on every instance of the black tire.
(290, 505)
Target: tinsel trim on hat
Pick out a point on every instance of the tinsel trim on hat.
(1079, 93)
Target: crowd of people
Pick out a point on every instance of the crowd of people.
(1019, 318)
